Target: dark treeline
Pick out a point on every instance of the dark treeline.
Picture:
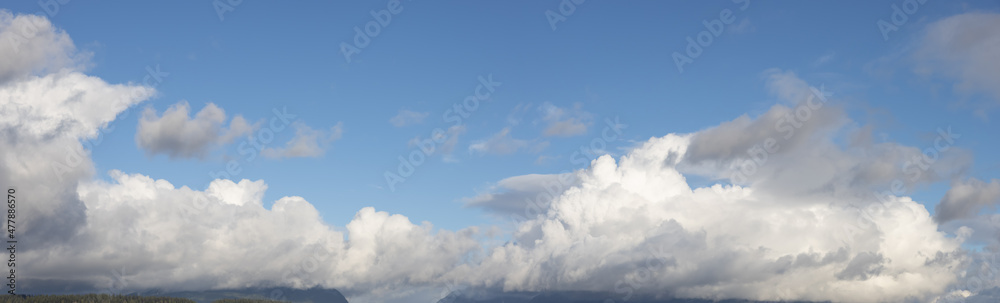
(104, 298)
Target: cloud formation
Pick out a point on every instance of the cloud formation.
(964, 48)
(793, 228)
(32, 46)
(518, 195)
(180, 136)
(307, 142)
(789, 231)
(179, 238)
(765, 151)
(448, 139)
(635, 225)
(47, 109)
(502, 143)
(565, 122)
(965, 199)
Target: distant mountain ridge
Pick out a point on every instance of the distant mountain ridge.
(480, 296)
(322, 295)
(485, 296)
(311, 295)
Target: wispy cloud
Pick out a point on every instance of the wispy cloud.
(307, 143)
(408, 117)
(963, 48)
(502, 143)
(565, 122)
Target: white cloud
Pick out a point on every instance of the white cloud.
(307, 142)
(807, 226)
(964, 48)
(65, 103)
(631, 219)
(638, 217)
(408, 117)
(179, 238)
(179, 136)
(32, 46)
(717, 241)
(565, 122)
(43, 118)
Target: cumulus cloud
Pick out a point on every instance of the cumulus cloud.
(42, 121)
(565, 122)
(408, 117)
(964, 48)
(620, 220)
(179, 238)
(631, 223)
(135, 232)
(32, 46)
(798, 228)
(502, 143)
(307, 142)
(637, 219)
(47, 107)
(180, 136)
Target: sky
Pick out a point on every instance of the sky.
(533, 145)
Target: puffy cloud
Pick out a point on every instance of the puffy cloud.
(64, 103)
(635, 219)
(137, 232)
(814, 220)
(636, 224)
(502, 143)
(46, 108)
(42, 122)
(964, 47)
(628, 224)
(179, 238)
(180, 136)
(307, 142)
(408, 117)
(965, 199)
(565, 122)
(31, 45)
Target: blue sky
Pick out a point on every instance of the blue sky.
(606, 60)
(613, 59)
